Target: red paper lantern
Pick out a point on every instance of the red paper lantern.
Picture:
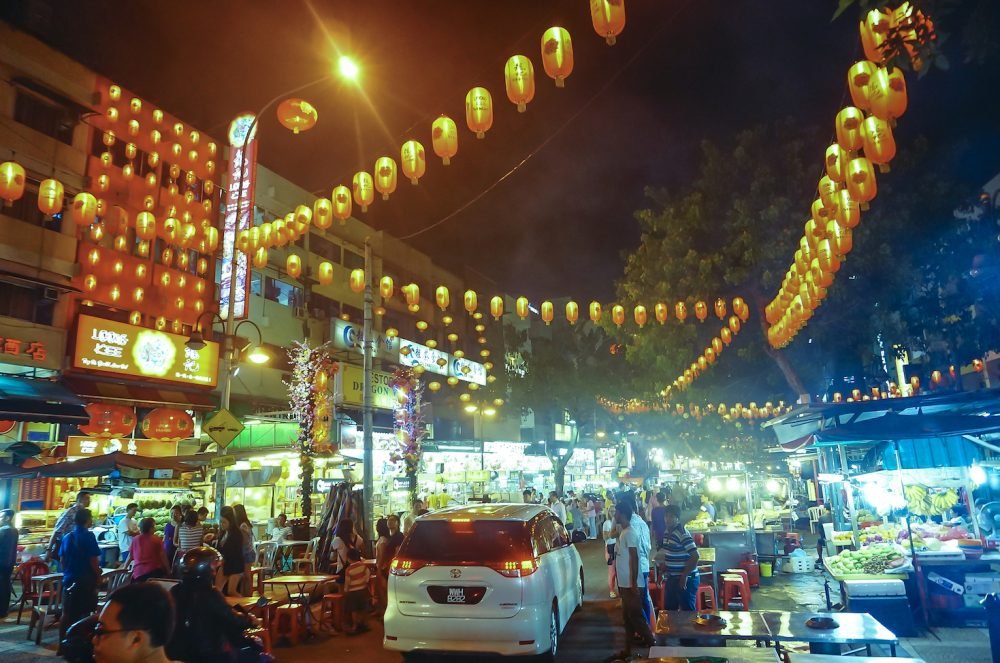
(168, 424)
(108, 421)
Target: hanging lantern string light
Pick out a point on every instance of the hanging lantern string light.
(863, 139)
(710, 354)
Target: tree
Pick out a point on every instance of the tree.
(566, 371)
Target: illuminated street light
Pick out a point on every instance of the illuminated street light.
(489, 412)
(348, 68)
(471, 408)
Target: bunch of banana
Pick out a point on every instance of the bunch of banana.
(918, 500)
(944, 500)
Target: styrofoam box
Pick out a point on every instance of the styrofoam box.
(858, 588)
(799, 565)
(982, 583)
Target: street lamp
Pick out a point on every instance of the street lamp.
(345, 66)
(254, 351)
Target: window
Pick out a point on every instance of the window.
(44, 115)
(25, 303)
(26, 208)
(353, 260)
(325, 248)
(482, 541)
(256, 283)
(329, 307)
(281, 292)
(541, 536)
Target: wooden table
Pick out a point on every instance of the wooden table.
(733, 654)
(252, 605)
(300, 582)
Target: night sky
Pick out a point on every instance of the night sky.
(631, 115)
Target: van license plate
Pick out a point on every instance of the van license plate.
(464, 595)
(456, 595)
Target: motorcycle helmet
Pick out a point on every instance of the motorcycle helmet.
(199, 565)
(77, 645)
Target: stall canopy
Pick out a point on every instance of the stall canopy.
(27, 399)
(97, 466)
(142, 394)
(971, 415)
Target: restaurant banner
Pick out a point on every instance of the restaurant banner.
(349, 388)
(79, 446)
(27, 344)
(347, 336)
(108, 346)
(413, 354)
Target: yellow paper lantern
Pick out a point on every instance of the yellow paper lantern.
(639, 315)
(521, 307)
(572, 312)
(470, 300)
(548, 312)
(858, 77)
(887, 93)
(12, 180)
(412, 294)
(836, 163)
(848, 212)
(479, 111)
(726, 335)
(717, 345)
(50, 197)
(422, 326)
(557, 55)
(364, 189)
(661, 311)
(720, 308)
(357, 280)
(873, 31)
(444, 138)
(434, 386)
(848, 126)
(260, 257)
(519, 75)
(734, 324)
(322, 213)
(293, 266)
(861, 182)
(496, 307)
(618, 314)
(385, 176)
(442, 297)
(879, 144)
(341, 198)
(680, 311)
(608, 17)
(700, 310)
(83, 210)
(595, 312)
(413, 160)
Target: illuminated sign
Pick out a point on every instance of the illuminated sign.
(106, 346)
(239, 205)
(347, 336)
(29, 344)
(164, 483)
(80, 446)
(414, 354)
(349, 388)
(467, 371)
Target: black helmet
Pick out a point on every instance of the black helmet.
(199, 565)
(77, 645)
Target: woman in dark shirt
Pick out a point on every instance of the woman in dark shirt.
(230, 544)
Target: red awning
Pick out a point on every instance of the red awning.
(142, 394)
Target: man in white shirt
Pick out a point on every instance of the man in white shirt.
(642, 532)
(281, 531)
(629, 566)
(557, 507)
(127, 528)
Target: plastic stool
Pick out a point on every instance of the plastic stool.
(746, 581)
(289, 617)
(733, 592)
(704, 600)
(332, 612)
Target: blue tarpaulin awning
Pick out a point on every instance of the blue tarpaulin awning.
(30, 399)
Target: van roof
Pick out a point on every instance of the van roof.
(492, 511)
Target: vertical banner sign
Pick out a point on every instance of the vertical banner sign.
(239, 207)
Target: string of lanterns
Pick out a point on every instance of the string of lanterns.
(709, 355)
(864, 139)
(750, 412)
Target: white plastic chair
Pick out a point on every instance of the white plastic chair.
(815, 513)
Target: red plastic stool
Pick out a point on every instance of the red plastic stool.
(704, 600)
(288, 620)
(733, 593)
(332, 612)
(746, 580)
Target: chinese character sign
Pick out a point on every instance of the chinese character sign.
(239, 207)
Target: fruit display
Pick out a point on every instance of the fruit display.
(872, 560)
(924, 501)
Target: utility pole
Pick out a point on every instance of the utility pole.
(367, 387)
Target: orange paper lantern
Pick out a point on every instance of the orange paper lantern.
(413, 160)
(50, 197)
(108, 421)
(12, 180)
(608, 17)
(297, 115)
(364, 189)
(496, 307)
(357, 280)
(557, 55)
(341, 198)
(322, 213)
(680, 311)
(521, 307)
(848, 125)
(572, 312)
(385, 176)
(661, 311)
(293, 266)
(700, 310)
(639, 315)
(386, 287)
(548, 312)
(167, 424)
(618, 314)
(444, 138)
(519, 75)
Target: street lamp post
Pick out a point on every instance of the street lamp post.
(366, 398)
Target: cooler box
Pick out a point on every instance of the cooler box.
(885, 600)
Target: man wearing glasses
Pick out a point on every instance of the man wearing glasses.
(135, 625)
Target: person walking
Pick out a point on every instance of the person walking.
(641, 530)
(681, 564)
(146, 553)
(631, 580)
(610, 534)
(78, 555)
(65, 524)
(249, 552)
(128, 528)
(230, 545)
(8, 557)
(591, 515)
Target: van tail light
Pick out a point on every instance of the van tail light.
(516, 569)
(404, 567)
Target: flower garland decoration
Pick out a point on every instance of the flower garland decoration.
(408, 424)
(311, 403)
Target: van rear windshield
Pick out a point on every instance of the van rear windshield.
(450, 542)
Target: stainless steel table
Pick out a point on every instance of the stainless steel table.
(825, 658)
(742, 625)
(853, 628)
(732, 654)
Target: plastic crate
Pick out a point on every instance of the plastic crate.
(799, 565)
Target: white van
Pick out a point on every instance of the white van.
(490, 579)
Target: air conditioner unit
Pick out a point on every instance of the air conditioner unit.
(50, 294)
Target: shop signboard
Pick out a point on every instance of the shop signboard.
(239, 204)
(79, 446)
(170, 484)
(402, 483)
(413, 354)
(348, 336)
(27, 344)
(349, 388)
(108, 346)
(221, 461)
(467, 371)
